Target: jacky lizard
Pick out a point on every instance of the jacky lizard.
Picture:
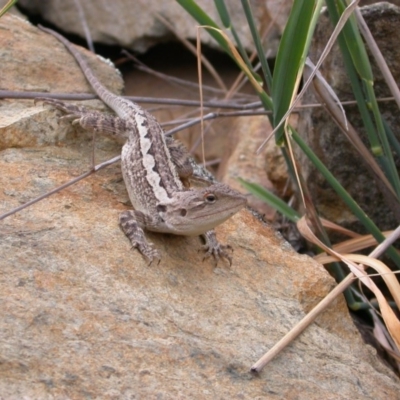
(153, 167)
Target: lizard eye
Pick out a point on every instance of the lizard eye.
(183, 212)
(210, 198)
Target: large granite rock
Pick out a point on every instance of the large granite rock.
(139, 25)
(84, 316)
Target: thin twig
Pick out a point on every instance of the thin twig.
(214, 115)
(193, 50)
(8, 94)
(241, 79)
(59, 188)
(83, 20)
(354, 138)
(376, 52)
(321, 306)
(342, 20)
(302, 325)
(173, 79)
(114, 160)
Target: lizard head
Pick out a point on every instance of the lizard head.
(194, 212)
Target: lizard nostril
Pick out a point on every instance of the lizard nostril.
(161, 208)
(183, 212)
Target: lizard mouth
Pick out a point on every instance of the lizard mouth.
(225, 214)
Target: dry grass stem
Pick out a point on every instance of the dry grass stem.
(369, 39)
(389, 317)
(194, 51)
(353, 137)
(343, 18)
(83, 21)
(302, 325)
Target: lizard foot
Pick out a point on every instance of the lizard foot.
(215, 249)
(218, 252)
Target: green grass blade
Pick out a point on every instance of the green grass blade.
(257, 43)
(344, 195)
(390, 166)
(9, 4)
(392, 138)
(291, 56)
(213, 29)
(356, 46)
(223, 13)
(292, 215)
(271, 199)
(356, 59)
(226, 21)
(203, 19)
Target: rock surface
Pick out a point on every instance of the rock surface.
(139, 24)
(48, 69)
(241, 161)
(84, 316)
(328, 142)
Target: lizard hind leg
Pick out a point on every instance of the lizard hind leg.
(71, 112)
(92, 121)
(104, 124)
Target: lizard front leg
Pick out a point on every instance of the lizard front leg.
(213, 248)
(132, 223)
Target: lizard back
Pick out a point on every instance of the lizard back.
(149, 173)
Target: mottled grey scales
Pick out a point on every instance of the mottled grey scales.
(156, 172)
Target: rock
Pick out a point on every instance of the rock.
(246, 136)
(84, 316)
(327, 141)
(13, 10)
(139, 25)
(369, 2)
(43, 66)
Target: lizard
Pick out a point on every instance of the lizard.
(154, 168)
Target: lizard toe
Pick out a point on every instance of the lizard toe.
(218, 251)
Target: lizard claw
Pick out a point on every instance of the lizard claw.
(215, 249)
(218, 251)
(149, 252)
(156, 256)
